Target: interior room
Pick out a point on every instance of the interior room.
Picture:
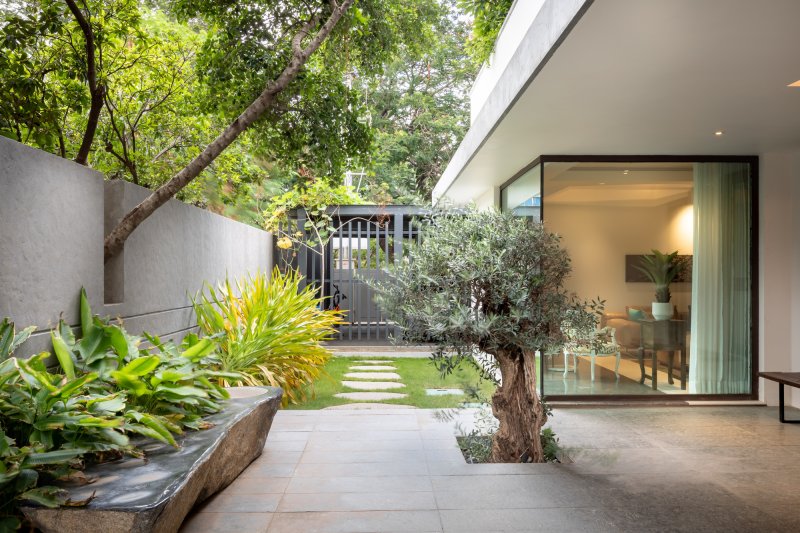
(612, 214)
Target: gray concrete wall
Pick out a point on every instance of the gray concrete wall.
(169, 257)
(51, 240)
(53, 216)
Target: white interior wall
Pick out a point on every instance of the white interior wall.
(599, 237)
(779, 271)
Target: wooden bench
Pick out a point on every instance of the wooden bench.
(783, 378)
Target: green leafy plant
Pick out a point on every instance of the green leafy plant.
(491, 283)
(109, 387)
(167, 388)
(48, 422)
(271, 330)
(662, 269)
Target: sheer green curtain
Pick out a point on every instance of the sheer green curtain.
(720, 345)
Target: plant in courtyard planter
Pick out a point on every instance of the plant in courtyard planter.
(109, 387)
(493, 283)
(662, 269)
(271, 330)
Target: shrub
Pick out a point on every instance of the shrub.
(493, 283)
(271, 330)
(109, 387)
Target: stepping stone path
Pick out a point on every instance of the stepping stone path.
(373, 385)
(373, 376)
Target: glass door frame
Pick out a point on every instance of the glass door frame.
(752, 161)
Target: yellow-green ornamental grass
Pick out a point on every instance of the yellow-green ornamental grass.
(271, 330)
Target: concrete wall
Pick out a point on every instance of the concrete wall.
(53, 216)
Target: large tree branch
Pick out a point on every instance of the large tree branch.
(97, 92)
(115, 240)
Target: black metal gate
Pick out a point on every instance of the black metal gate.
(367, 241)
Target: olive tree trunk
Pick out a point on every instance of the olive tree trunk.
(516, 404)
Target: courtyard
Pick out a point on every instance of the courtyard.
(693, 469)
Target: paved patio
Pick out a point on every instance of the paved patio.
(636, 469)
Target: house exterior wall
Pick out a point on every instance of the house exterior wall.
(53, 217)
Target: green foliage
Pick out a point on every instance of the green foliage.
(110, 388)
(488, 17)
(418, 107)
(271, 330)
(155, 117)
(318, 200)
(662, 269)
(484, 281)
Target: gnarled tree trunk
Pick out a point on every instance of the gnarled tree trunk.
(516, 404)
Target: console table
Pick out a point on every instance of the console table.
(666, 336)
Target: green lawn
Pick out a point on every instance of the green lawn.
(417, 374)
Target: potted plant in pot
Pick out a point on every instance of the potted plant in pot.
(662, 269)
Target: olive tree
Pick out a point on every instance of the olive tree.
(493, 283)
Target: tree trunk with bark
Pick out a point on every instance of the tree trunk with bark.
(516, 404)
(115, 240)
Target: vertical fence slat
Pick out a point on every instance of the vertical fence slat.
(358, 265)
(368, 290)
(350, 307)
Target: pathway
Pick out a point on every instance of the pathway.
(374, 378)
(700, 469)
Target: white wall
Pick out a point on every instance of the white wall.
(779, 266)
(598, 239)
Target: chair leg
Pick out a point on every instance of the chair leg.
(592, 355)
(616, 367)
(566, 360)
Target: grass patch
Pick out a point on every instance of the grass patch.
(417, 374)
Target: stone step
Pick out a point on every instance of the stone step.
(372, 375)
(374, 362)
(370, 396)
(373, 385)
(373, 368)
(372, 406)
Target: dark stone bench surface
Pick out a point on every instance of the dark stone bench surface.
(156, 493)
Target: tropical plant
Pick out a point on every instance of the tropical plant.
(109, 387)
(661, 269)
(494, 283)
(271, 330)
(48, 422)
(167, 388)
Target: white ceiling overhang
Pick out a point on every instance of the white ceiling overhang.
(635, 77)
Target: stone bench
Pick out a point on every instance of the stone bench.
(155, 494)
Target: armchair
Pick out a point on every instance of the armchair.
(602, 343)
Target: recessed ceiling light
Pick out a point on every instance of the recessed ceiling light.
(795, 84)
(719, 133)
(625, 172)
(602, 183)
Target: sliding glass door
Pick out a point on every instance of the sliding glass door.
(613, 215)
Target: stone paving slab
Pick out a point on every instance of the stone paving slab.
(372, 375)
(374, 362)
(373, 368)
(366, 406)
(399, 470)
(373, 385)
(370, 396)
